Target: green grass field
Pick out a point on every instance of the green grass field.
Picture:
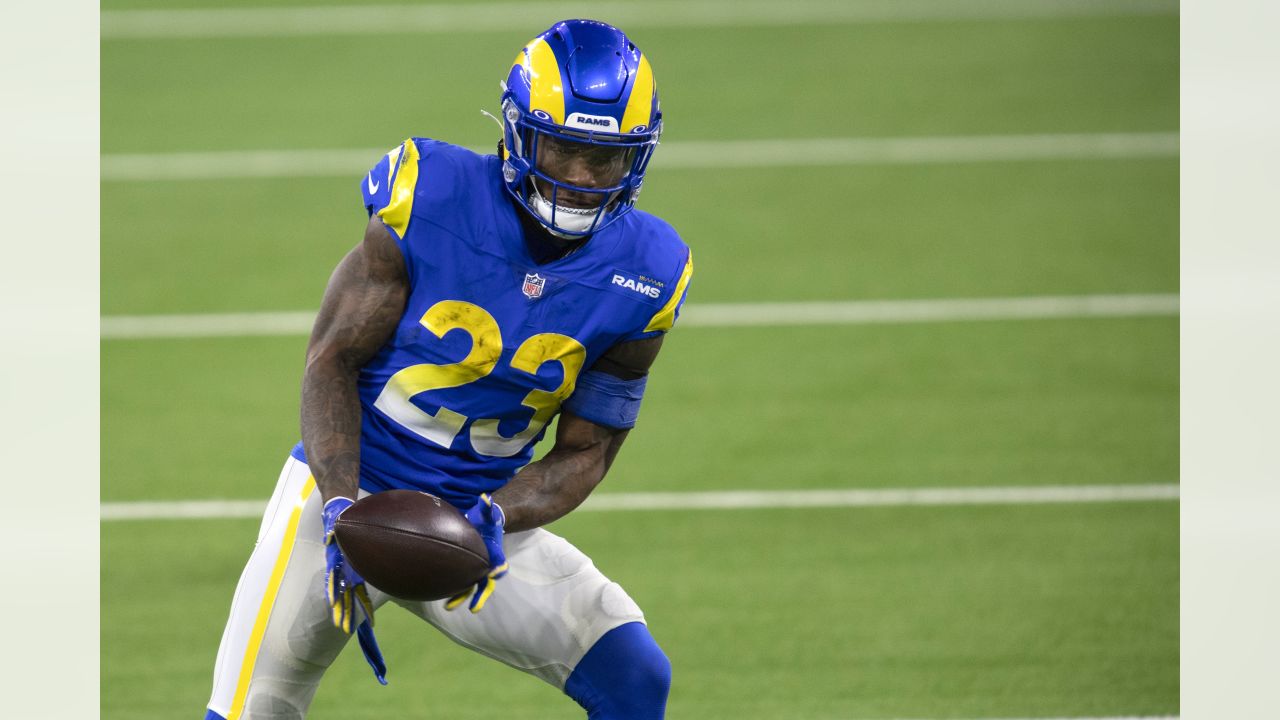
(831, 613)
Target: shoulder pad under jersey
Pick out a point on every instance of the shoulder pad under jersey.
(660, 250)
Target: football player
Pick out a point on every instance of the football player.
(489, 293)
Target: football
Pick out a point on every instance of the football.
(411, 545)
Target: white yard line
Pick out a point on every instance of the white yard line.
(529, 17)
(1124, 718)
(914, 151)
(804, 152)
(851, 312)
(137, 327)
(867, 312)
(727, 500)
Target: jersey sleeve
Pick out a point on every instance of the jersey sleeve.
(665, 318)
(388, 188)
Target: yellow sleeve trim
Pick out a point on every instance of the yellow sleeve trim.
(396, 213)
(666, 317)
(393, 159)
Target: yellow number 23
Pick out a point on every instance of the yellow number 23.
(486, 348)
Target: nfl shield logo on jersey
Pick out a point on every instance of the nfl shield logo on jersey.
(533, 284)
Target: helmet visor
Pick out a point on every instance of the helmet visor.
(581, 167)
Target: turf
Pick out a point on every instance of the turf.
(926, 612)
(788, 234)
(1063, 402)
(1080, 75)
(825, 614)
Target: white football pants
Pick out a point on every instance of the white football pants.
(545, 614)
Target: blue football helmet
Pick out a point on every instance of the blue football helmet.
(580, 121)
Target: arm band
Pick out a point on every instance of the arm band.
(606, 400)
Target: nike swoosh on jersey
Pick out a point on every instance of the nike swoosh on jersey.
(373, 187)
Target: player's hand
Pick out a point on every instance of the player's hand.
(344, 588)
(488, 519)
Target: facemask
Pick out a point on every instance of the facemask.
(572, 220)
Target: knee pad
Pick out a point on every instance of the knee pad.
(624, 676)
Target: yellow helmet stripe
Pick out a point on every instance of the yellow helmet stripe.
(546, 86)
(400, 207)
(666, 317)
(640, 104)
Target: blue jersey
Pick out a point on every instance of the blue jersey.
(491, 343)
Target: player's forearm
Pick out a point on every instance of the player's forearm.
(550, 488)
(331, 427)
(362, 304)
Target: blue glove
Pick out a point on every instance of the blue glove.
(344, 588)
(372, 653)
(488, 519)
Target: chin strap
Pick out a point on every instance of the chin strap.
(491, 116)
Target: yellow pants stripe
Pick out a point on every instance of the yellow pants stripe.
(268, 600)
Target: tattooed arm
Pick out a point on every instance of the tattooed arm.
(362, 305)
(548, 489)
